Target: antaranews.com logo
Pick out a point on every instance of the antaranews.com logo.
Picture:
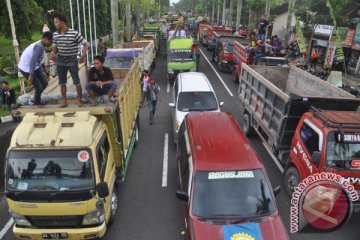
(322, 201)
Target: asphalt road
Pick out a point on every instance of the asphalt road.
(148, 208)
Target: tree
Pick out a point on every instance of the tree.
(26, 18)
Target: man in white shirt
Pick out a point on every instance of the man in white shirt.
(30, 65)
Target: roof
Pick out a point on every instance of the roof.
(181, 43)
(345, 119)
(55, 129)
(115, 53)
(218, 143)
(193, 82)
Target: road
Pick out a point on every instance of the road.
(148, 208)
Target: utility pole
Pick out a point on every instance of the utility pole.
(128, 19)
(288, 22)
(223, 13)
(15, 42)
(238, 13)
(114, 22)
(218, 12)
(267, 9)
(213, 10)
(231, 12)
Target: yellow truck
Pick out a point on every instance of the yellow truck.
(63, 165)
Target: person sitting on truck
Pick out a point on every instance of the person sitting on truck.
(101, 81)
(102, 47)
(276, 45)
(260, 51)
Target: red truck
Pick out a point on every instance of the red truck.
(223, 52)
(240, 55)
(282, 106)
(210, 38)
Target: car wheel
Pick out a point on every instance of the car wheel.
(291, 179)
(113, 205)
(246, 125)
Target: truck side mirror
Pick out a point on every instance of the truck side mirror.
(182, 196)
(277, 190)
(316, 157)
(102, 189)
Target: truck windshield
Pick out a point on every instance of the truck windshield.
(197, 101)
(120, 62)
(231, 194)
(181, 55)
(45, 170)
(342, 150)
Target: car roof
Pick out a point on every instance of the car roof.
(218, 143)
(194, 82)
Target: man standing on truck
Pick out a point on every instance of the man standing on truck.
(263, 23)
(101, 81)
(66, 43)
(30, 65)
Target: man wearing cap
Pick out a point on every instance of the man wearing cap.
(30, 65)
(260, 51)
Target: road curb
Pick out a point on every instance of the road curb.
(6, 119)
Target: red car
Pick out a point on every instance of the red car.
(223, 183)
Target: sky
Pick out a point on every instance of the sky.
(174, 1)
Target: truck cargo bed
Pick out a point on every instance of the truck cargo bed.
(276, 98)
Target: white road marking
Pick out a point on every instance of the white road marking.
(168, 87)
(217, 74)
(165, 161)
(6, 228)
(273, 158)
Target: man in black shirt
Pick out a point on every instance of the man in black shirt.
(8, 95)
(101, 80)
(263, 23)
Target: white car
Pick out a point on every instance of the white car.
(192, 92)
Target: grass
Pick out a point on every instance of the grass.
(6, 45)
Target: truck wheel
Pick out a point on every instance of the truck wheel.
(113, 205)
(246, 125)
(291, 180)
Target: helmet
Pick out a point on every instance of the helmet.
(259, 41)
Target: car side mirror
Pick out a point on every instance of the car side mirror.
(277, 190)
(102, 189)
(316, 155)
(182, 196)
(221, 104)
(172, 105)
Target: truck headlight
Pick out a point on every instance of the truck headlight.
(223, 61)
(177, 126)
(95, 217)
(170, 71)
(20, 219)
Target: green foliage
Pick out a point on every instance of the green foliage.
(7, 61)
(26, 18)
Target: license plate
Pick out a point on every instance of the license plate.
(54, 236)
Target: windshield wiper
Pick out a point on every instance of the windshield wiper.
(59, 192)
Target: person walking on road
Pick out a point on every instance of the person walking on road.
(153, 90)
(144, 82)
(66, 44)
(30, 65)
(101, 81)
(314, 58)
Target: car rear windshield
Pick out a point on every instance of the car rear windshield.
(197, 101)
(228, 194)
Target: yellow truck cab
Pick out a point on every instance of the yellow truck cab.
(64, 164)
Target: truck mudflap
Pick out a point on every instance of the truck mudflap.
(60, 233)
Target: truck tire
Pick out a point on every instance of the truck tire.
(246, 125)
(290, 180)
(113, 205)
